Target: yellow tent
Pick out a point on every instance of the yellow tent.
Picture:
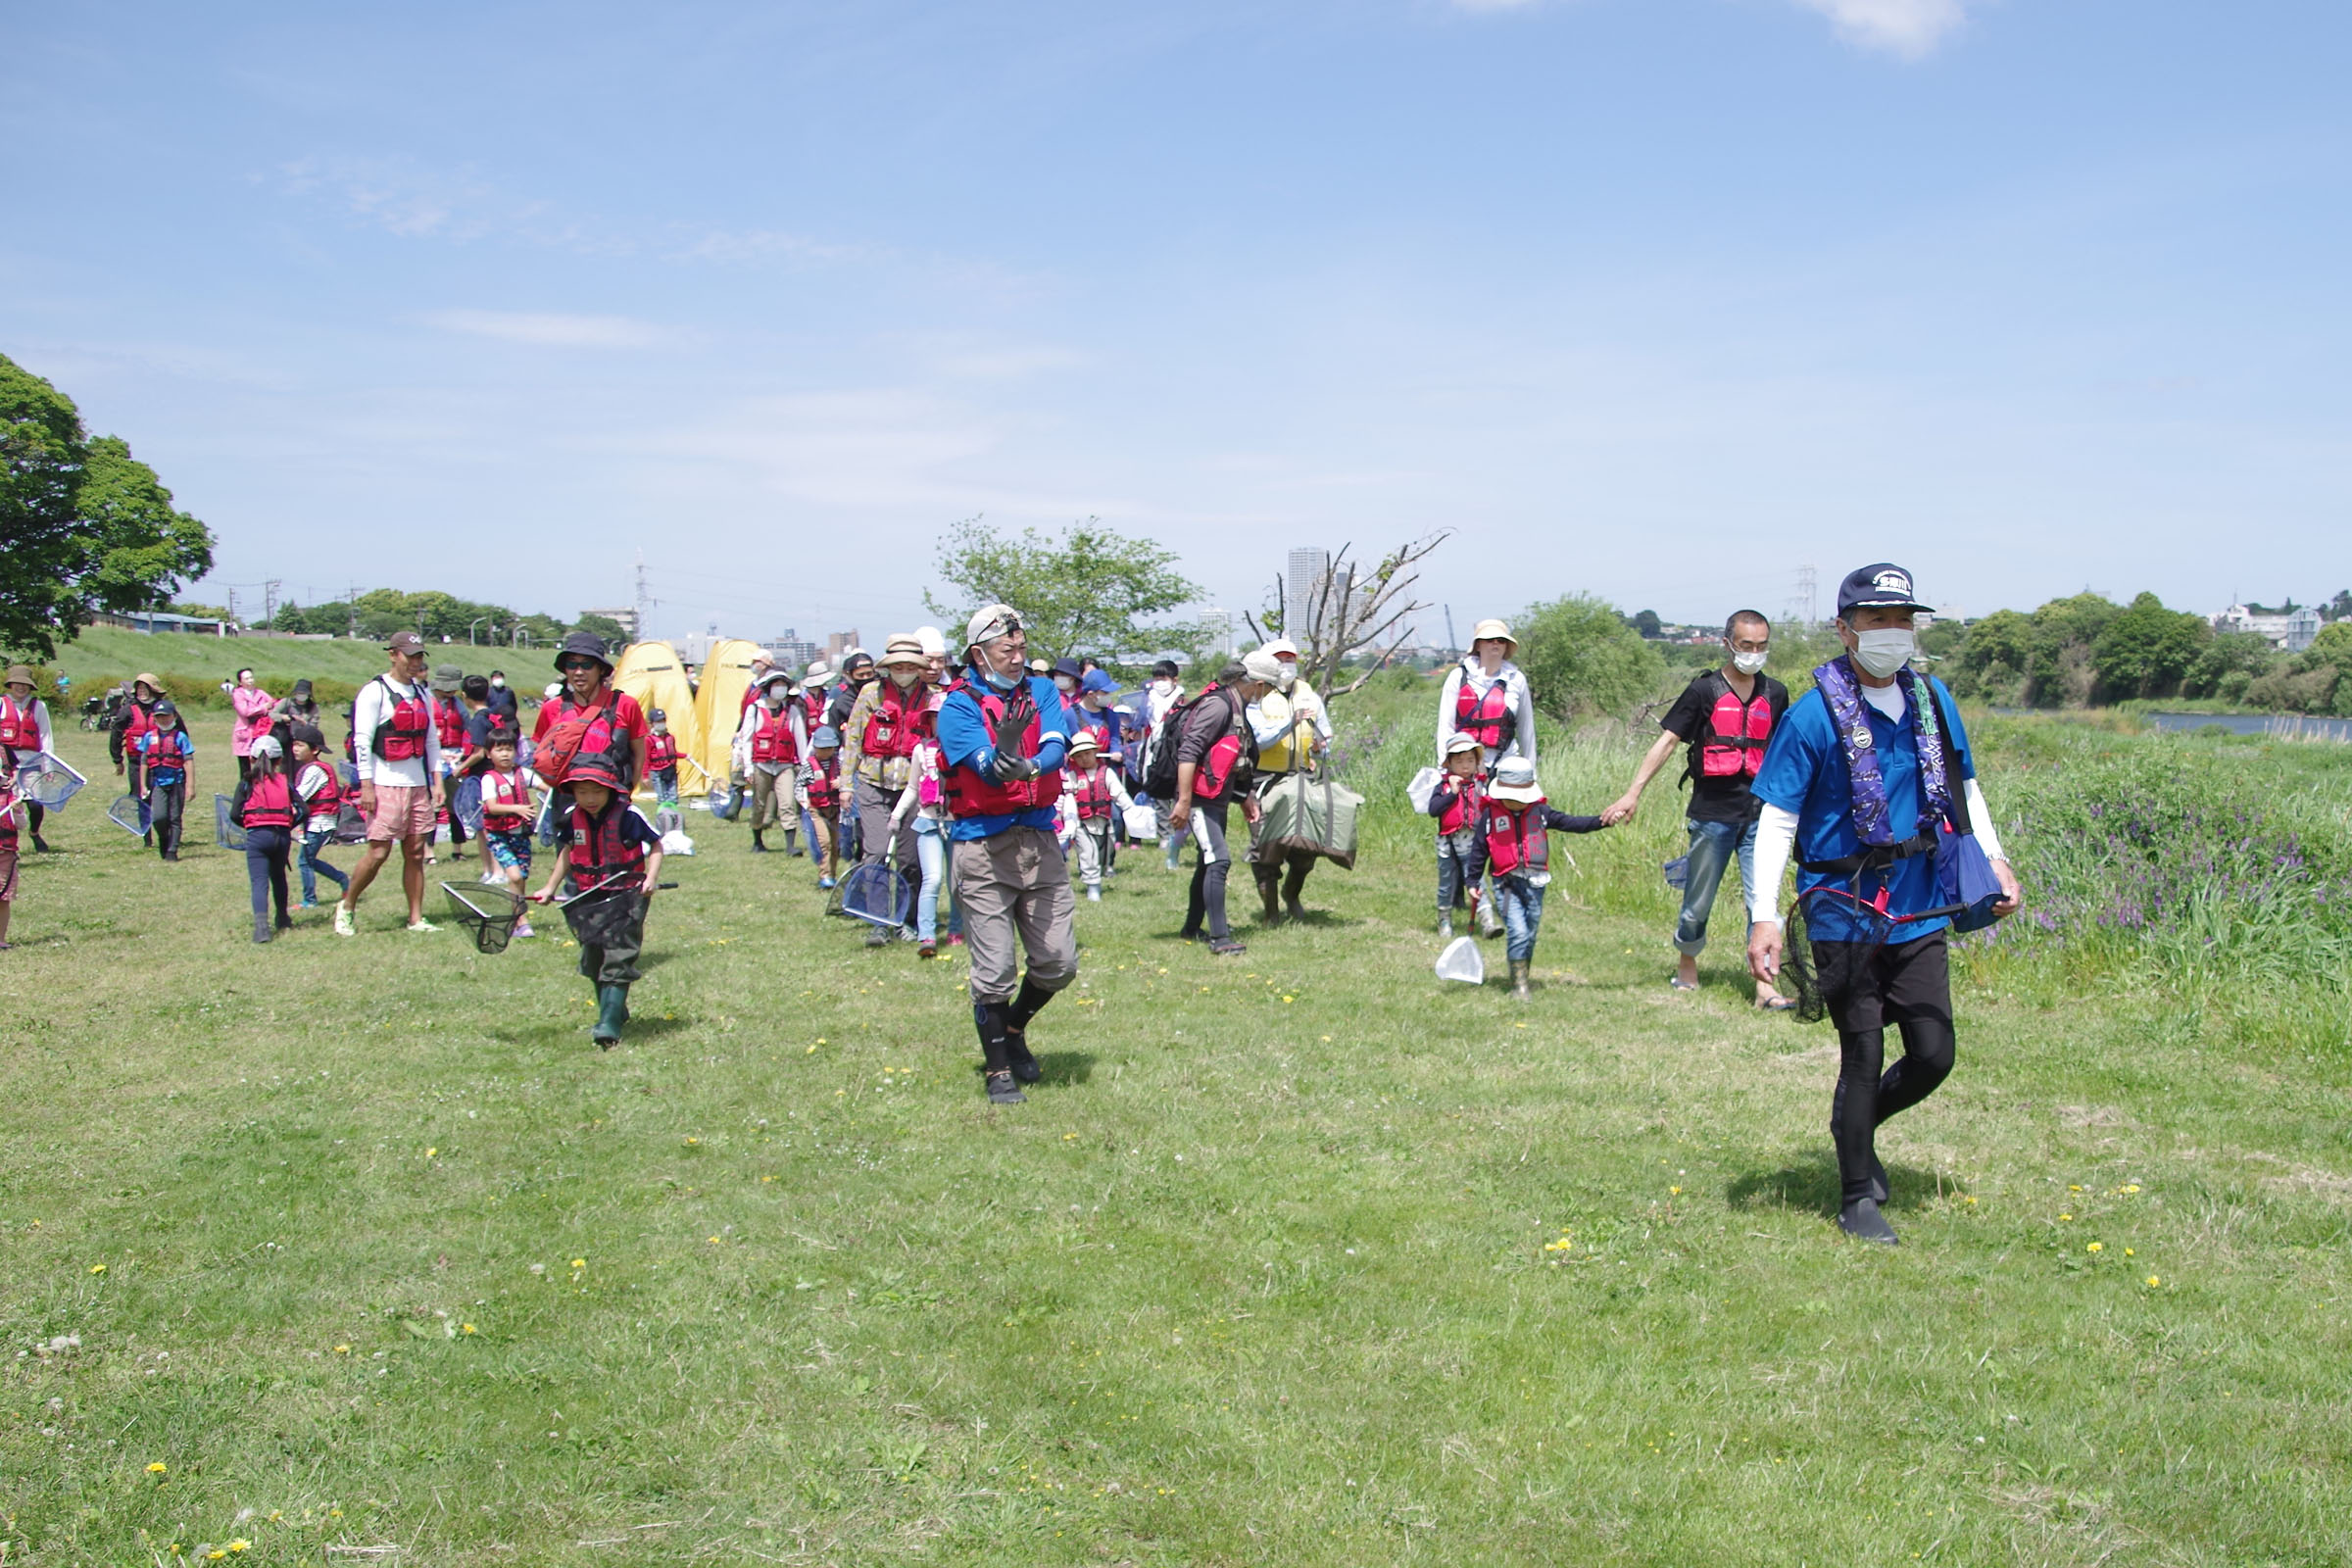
(654, 674)
(719, 708)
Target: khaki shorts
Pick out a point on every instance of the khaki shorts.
(401, 811)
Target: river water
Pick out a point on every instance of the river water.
(2284, 726)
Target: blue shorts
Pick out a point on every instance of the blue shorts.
(512, 851)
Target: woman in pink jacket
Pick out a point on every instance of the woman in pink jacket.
(253, 706)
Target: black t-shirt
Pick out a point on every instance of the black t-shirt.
(1718, 799)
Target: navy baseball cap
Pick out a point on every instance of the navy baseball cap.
(1885, 586)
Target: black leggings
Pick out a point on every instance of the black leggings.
(1907, 983)
(266, 850)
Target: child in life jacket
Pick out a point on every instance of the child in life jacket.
(925, 800)
(819, 792)
(265, 807)
(319, 800)
(1459, 804)
(1092, 797)
(611, 858)
(508, 810)
(164, 752)
(1516, 824)
(662, 760)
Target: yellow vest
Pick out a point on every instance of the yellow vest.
(1295, 750)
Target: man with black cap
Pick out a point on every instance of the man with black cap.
(1861, 777)
(603, 722)
(1003, 736)
(398, 760)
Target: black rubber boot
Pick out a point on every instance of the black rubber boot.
(1269, 895)
(612, 1012)
(261, 928)
(1017, 1013)
(791, 842)
(1862, 1220)
(759, 841)
(996, 1059)
(1878, 1190)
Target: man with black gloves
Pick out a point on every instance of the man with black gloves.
(1003, 735)
(1862, 779)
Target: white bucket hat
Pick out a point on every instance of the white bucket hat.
(1515, 781)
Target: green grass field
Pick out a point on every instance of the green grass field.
(331, 1248)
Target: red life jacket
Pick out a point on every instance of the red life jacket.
(138, 723)
(895, 724)
(598, 849)
(1516, 838)
(970, 795)
(269, 803)
(329, 802)
(824, 778)
(772, 741)
(1090, 789)
(661, 751)
(1733, 744)
(400, 738)
(20, 728)
(165, 749)
(506, 789)
(1489, 718)
(451, 719)
(1468, 801)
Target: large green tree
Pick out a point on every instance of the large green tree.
(2147, 648)
(85, 525)
(1580, 658)
(1091, 591)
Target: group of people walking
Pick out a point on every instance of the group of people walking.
(978, 775)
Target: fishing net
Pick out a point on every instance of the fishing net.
(125, 814)
(225, 831)
(489, 912)
(48, 780)
(876, 894)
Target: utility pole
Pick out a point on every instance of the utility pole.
(232, 603)
(1801, 601)
(269, 598)
(1450, 649)
(351, 602)
(644, 599)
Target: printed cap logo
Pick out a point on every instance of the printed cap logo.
(1893, 581)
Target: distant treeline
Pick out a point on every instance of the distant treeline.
(433, 614)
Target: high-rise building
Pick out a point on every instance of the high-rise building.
(839, 643)
(1302, 578)
(1218, 637)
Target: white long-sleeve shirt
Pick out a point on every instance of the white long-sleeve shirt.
(374, 707)
(1775, 826)
(1521, 742)
(756, 716)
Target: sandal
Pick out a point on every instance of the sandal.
(1678, 983)
(1779, 1004)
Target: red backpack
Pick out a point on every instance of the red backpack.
(568, 737)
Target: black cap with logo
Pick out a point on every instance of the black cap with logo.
(1883, 586)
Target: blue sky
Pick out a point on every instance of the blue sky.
(1658, 299)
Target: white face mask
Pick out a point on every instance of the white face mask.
(499, 684)
(1164, 687)
(1885, 651)
(1747, 663)
(1290, 677)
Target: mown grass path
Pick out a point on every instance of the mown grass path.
(365, 1246)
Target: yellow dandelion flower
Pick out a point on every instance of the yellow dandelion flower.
(2131, 1187)
(240, 1545)
(342, 1350)
(2153, 1282)
(2128, 1253)
(97, 1268)
(215, 1555)
(1970, 1198)
(692, 1141)
(465, 1328)
(1673, 1192)
(2096, 1246)
(713, 1241)
(579, 1262)
(158, 1468)
(2065, 1216)
(430, 1153)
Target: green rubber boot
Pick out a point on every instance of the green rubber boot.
(612, 1012)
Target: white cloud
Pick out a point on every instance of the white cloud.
(1911, 28)
(550, 330)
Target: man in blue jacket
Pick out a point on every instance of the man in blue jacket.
(1003, 735)
(1859, 779)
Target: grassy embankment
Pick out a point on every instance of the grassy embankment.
(1269, 1270)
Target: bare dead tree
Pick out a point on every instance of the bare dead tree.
(1350, 610)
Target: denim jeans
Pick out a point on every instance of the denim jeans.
(1456, 873)
(1522, 905)
(931, 853)
(312, 841)
(1713, 847)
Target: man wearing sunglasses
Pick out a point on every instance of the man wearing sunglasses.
(1003, 735)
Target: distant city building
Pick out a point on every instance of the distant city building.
(793, 651)
(838, 643)
(1220, 636)
(1300, 578)
(626, 615)
(2292, 630)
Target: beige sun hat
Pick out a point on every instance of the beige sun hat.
(1461, 741)
(1494, 630)
(1084, 741)
(1263, 665)
(1515, 781)
(903, 649)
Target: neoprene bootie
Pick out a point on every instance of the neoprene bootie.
(1862, 1220)
(612, 1012)
(1879, 1188)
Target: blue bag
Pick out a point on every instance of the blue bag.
(1964, 880)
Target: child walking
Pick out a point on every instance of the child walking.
(508, 813)
(8, 846)
(925, 799)
(1517, 820)
(1091, 796)
(662, 760)
(613, 855)
(164, 752)
(318, 801)
(819, 791)
(1459, 804)
(264, 807)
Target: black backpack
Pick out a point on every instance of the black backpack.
(1167, 739)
